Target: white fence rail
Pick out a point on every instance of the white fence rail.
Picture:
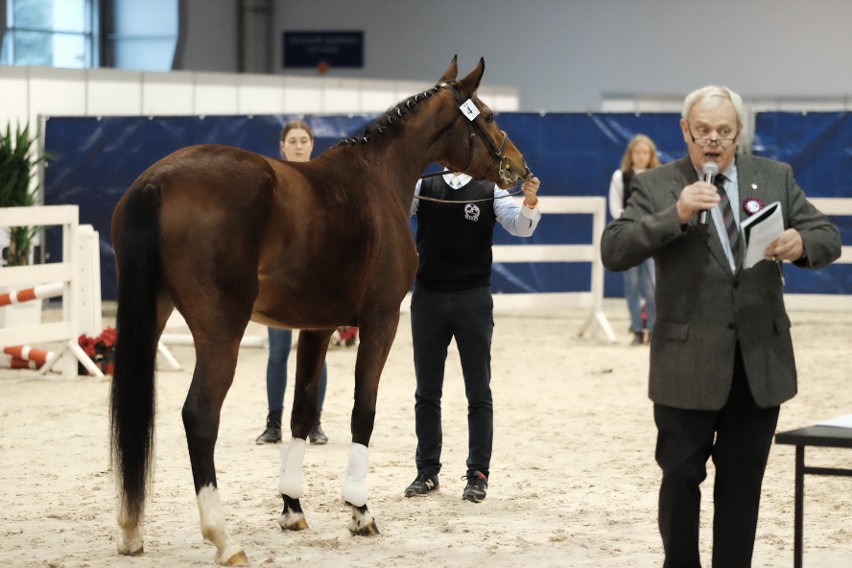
(67, 272)
(838, 207)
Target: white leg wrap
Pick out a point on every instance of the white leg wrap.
(290, 478)
(213, 524)
(355, 486)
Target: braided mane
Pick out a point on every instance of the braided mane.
(393, 115)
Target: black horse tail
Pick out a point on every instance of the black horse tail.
(132, 393)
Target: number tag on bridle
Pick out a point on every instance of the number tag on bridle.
(469, 110)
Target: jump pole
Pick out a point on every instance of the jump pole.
(41, 292)
(27, 353)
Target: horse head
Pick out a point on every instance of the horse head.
(486, 152)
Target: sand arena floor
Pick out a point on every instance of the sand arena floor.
(573, 484)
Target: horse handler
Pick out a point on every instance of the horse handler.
(456, 216)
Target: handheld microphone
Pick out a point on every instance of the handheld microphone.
(711, 169)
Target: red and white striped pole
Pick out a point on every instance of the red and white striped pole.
(27, 353)
(35, 293)
(18, 363)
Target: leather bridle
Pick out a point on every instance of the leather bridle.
(475, 128)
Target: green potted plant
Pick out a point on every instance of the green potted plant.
(19, 161)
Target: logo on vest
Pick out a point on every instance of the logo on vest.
(471, 212)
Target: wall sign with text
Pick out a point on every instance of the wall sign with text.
(333, 49)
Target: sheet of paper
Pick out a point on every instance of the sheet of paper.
(761, 229)
(840, 422)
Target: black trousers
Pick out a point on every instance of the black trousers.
(738, 437)
(437, 318)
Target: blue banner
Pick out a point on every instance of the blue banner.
(95, 160)
(818, 145)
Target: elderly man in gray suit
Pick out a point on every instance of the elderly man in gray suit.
(721, 352)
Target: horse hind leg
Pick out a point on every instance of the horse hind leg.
(129, 538)
(212, 524)
(228, 551)
(217, 347)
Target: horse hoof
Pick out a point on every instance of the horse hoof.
(299, 524)
(362, 522)
(238, 559)
(129, 541)
(138, 552)
(366, 530)
(292, 518)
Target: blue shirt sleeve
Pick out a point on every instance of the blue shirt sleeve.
(518, 220)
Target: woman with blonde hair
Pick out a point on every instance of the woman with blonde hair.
(640, 155)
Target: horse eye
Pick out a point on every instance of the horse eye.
(489, 119)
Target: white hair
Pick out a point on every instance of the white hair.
(711, 97)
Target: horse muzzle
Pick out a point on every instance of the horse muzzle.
(512, 172)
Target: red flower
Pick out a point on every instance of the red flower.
(94, 346)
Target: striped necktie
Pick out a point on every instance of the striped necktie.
(728, 216)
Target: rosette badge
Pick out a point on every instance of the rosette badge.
(752, 205)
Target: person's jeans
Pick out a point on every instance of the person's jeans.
(639, 282)
(280, 342)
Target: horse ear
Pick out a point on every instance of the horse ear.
(452, 71)
(470, 83)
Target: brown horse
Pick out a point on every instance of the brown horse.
(227, 236)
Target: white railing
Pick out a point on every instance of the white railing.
(67, 272)
(591, 299)
(836, 206)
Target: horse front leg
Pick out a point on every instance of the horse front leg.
(290, 485)
(376, 340)
(214, 373)
(311, 351)
(354, 493)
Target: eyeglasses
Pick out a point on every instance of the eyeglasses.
(704, 142)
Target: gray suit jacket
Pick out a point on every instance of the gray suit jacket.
(703, 309)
